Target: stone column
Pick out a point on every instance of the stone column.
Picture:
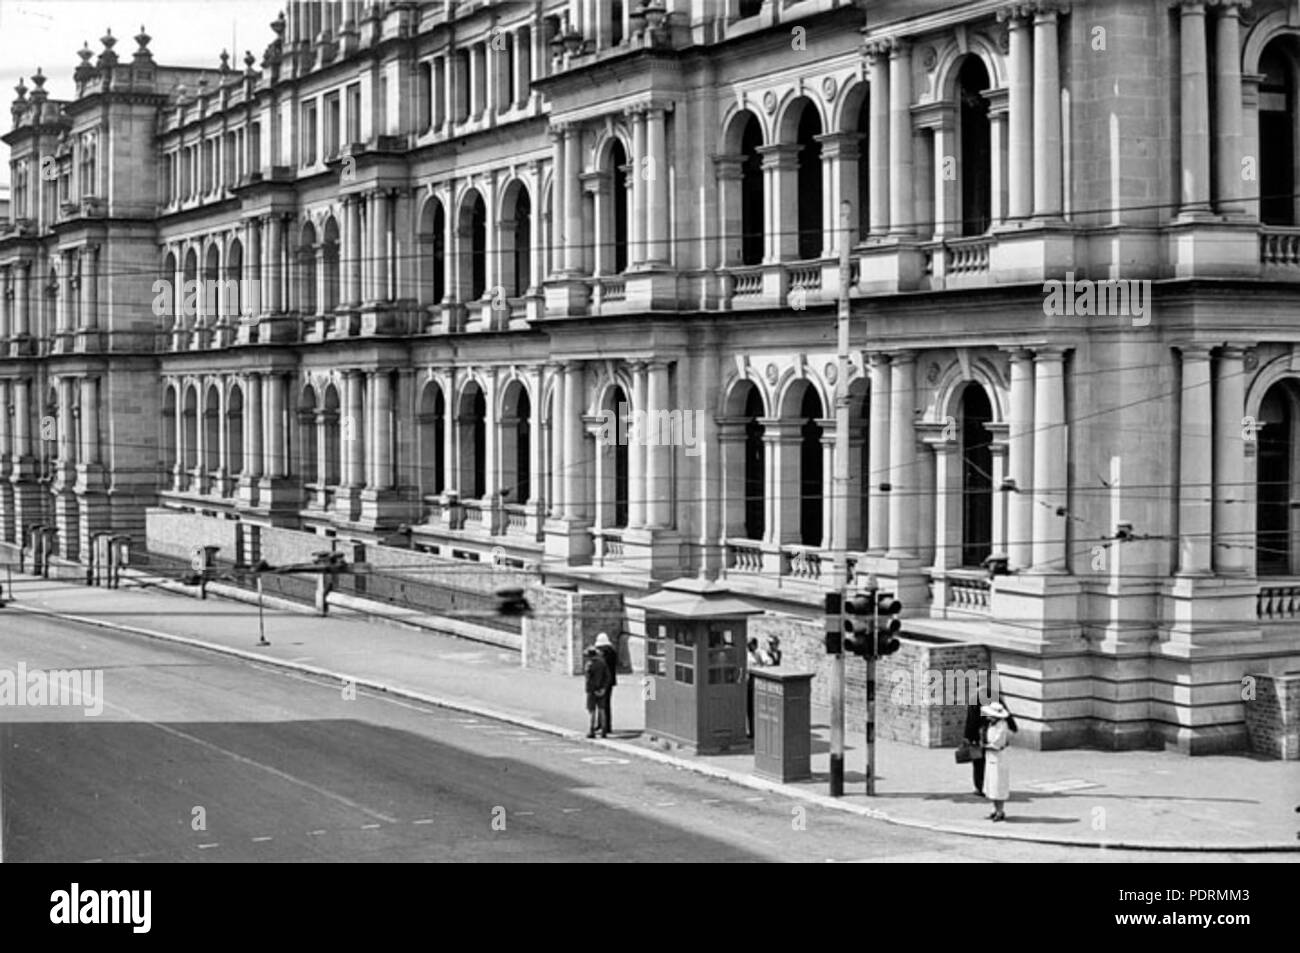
(383, 271)
(947, 210)
(1020, 106)
(89, 288)
(878, 141)
(659, 452)
(255, 299)
(839, 183)
(89, 452)
(636, 223)
(1050, 457)
(6, 310)
(1228, 107)
(781, 202)
(1194, 113)
(353, 253)
(66, 450)
(450, 464)
(22, 429)
(904, 501)
(1020, 451)
(878, 447)
(555, 260)
(352, 430)
(252, 465)
(573, 202)
(64, 310)
(523, 70)
(948, 502)
(381, 428)
(274, 266)
(901, 211)
(556, 500)
(1047, 117)
(636, 451)
(828, 540)
(1231, 514)
(1195, 450)
(657, 212)
(276, 458)
(575, 502)
(22, 301)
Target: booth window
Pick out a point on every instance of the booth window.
(654, 652)
(684, 656)
(723, 667)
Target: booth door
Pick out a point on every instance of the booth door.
(723, 692)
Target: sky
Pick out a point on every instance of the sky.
(48, 33)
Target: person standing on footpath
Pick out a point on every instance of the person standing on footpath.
(997, 773)
(598, 676)
(972, 737)
(609, 655)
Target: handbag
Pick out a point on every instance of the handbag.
(967, 752)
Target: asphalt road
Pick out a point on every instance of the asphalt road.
(197, 757)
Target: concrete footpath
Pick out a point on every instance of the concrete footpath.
(1139, 799)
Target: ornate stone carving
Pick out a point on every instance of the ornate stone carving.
(769, 102)
(832, 373)
(773, 375)
(829, 88)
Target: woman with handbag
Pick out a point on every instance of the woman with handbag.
(997, 773)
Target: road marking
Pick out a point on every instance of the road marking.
(423, 820)
(570, 810)
(665, 804)
(605, 759)
(283, 775)
(315, 833)
(259, 840)
(758, 798)
(206, 846)
(1069, 784)
(369, 827)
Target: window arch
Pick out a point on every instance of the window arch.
(432, 422)
(472, 422)
(433, 253)
(974, 131)
(330, 262)
(307, 446)
(802, 408)
(976, 476)
(751, 191)
(473, 240)
(307, 271)
(809, 182)
(516, 240)
(333, 474)
(516, 444)
(1277, 132)
(1275, 480)
(614, 463)
(620, 198)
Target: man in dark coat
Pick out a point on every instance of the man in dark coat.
(610, 656)
(974, 722)
(598, 687)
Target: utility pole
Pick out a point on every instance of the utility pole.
(871, 687)
(840, 511)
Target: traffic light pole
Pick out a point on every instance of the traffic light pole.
(871, 708)
(834, 623)
(840, 509)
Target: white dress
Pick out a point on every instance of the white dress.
(997, 773)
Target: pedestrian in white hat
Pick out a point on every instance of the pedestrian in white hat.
(610, 656)
(997, 773)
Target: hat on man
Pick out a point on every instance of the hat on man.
(995, 710)
(602, 641)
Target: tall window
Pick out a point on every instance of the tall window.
(755, 467)
(751, 194)
(810, 184)
(619, 197)
(309, 133)
(1275, 475)
(976, 164)
(976, 476)
(333, 124)
(354, 112)
(1277, 179)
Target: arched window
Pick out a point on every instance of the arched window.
(809, 183)
(307, 270)
(1277, 117)
(620, 197)
(307, 447)
(190, 292)
(976, 156)
(191, 428)
(432, 421)
(755, 467)
(473, 238)
(516, 444)
(751, 193)
(472, 422)
(330, 261)
(211, 286)
(516, 240)
(810, 470)
(976, 476)
(333, 474)
(167, 299)
(433, 253)
(211, 430)
(235, 303)
(168, 459)
(234, 462)
(614, 463)
(1275, 481)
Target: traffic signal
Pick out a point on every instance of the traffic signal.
(887, 624)
(834, 622)
(859, 628)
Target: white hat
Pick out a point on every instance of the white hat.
(995, 710)
(602, 640)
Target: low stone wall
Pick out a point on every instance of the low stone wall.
(922, 690)
(1273, 716)
(176, 534)
(566, 621)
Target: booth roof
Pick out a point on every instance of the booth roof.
(695, 598)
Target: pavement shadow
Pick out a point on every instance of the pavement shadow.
(328, 789)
